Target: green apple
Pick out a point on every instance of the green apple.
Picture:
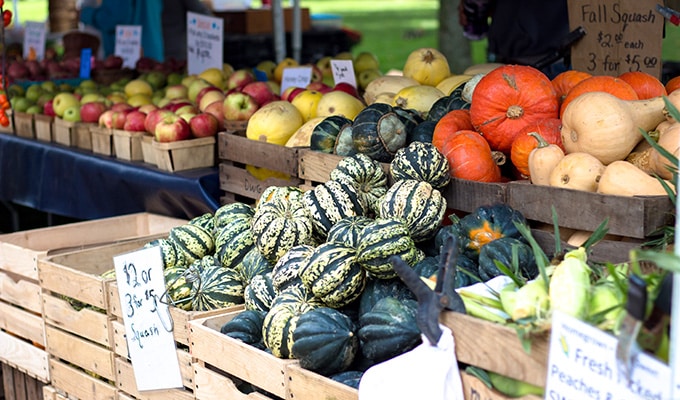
(174, 78)
(34, 109)
(21, 104)
(72, 114)
(65, 87)
(64, 100)
(156, 79)
(16, 90)
(90, 97)
(34, 91)
(88, 84)
(366, 76)
(44, 98)
(186, 81)
(195, 87)
(49, 86)
(365, 60)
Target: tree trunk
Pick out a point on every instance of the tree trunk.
(452, 43)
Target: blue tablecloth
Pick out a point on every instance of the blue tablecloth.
(80, 184)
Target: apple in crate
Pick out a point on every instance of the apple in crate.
(240, 78)
(48, 109)
(90, 112)
(134, 121)
(216, 109)
(239, 106)
(153, 117)
(290, 93)
(261, 92)
(62, 101)
(106, 119)
(118, 119)
(208, 96)
(176, 92)
(203, 125)
(172, 128)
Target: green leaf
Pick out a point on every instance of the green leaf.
(479, 374)
(665, 260)
(542, 260)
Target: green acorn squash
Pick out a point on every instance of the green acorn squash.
(378, 132)
(381, 239)
(325, 134)
(501, 250)
(366, 176)
(259, 293)
(246, 327)
(389, 329)
(285, 272)
(330, 202)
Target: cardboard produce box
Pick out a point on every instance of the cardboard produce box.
(260, 21)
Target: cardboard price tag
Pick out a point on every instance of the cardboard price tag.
(34, 40)
(343, 71)
(128, 44)
(205, 42)
(148, 325)
(620, 36)
(296, 77)
(582, 365)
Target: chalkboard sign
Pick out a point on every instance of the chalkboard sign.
(621, 36)
(148, 326)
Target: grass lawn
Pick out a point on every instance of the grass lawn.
(391, 29)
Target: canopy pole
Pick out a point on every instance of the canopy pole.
(297, 31)
(279, 31)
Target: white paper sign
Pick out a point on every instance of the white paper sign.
(296, 77)
(34, 40)
(128, 44)
(582, 365)
(343, 71)
(205, 43)
(148, 326)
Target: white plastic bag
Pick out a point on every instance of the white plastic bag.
(426, 372)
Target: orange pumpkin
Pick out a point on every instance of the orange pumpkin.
(566, 80)
(645, 85)
(549, 129)
(672, 84)
(471, 158)
(449, 124)
(600, 83)
(509, 98)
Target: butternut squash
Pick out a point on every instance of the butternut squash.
(579, 171)
(674, 98)
(670, 141)
(542, 160)
(622, 178)
(578, 238)
(607, 127)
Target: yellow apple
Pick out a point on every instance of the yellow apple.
(365, 60)
(306, 102)
(285, 63)
(268, 67)
(337, 102)
(138, 86)
(227, 69)
(215, 76)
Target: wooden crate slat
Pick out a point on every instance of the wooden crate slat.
(77, 383)
(237, 180)
(22, 323)
(260, 154)
(17, 290)
(83, 353)
(24, 356)
(125, 382)
(211, 385)
(89, 324)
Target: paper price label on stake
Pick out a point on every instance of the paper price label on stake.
(205, 43)
(128, 44)
(296, 77)
(34, 40)
(582, 365)
(148, 325)
(343, 71)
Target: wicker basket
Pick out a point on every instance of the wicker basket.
(75, 41)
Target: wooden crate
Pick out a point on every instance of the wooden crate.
(22, 341)
(43, 127)
(185, 154)
(102, 140)
(17, 385)
(236, 151)
(213, 385)
(306, 385)
(81, 352)
(64, 133)
(72, 381)
(83, 132)
(635, 217)
(148, 152)
(128, 145)
(20, 251)
(24, 125)
(125, 382)
(613, 251)
(495, 347)
(220, 352)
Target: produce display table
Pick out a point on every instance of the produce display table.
(80, 184)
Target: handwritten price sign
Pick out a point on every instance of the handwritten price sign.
(148, 326)
(621, 36)
(205, 42)
(128, 44)
(343, 71)
(34, 40)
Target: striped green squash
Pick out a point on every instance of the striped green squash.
(275, 193)
(279, 224)
(346, 231)
(285, 272)
(227, 213)
(205, 221)
(332, 274)
(218, 287)
(330, 202)
(378, 132)
(259, 293)
(193, 241)
(366, 175)
(253, 264)
(416, 203)
(381, 239)
(171, 256)
(233, 241)
(281, 319)
(422, 162)
(177, 287)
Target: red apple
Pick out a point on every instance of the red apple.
(147, 108)
(175, 104)
(204, 125)
(118, 119)
(319, 87)
(205, 91)
(240, 78)
(152, 119)
(122, 106)
(290, 93)
(90, 112)
(347, 88)
(106, 119)
(172, 128)
(48, 109)
(261, 92)
(239, 107)
(317, 74)
(134, 121)
(216, 109)
(206, 97)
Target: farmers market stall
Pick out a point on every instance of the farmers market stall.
(80, 184)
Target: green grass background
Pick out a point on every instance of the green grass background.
(384, 24)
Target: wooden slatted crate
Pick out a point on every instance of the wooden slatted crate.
(128, 145)
(24, 125)
(214, 385)
(102, 140)
(71, 381)
(43, 127)
(17, 385)
(235, 152)
(185, 154)
(315, 167)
